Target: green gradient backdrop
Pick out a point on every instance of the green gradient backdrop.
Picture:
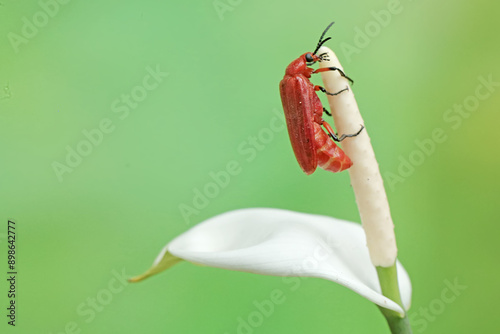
(120, 205)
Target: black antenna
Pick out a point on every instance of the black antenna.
(321, 40)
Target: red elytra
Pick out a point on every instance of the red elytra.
(304, 116)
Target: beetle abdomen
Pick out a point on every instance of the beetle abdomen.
(330, 156)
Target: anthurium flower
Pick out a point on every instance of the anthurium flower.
(283, 243)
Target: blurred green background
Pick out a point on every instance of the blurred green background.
(70, 71)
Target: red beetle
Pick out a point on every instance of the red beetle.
(304, 115)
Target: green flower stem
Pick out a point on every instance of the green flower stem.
(388, 277)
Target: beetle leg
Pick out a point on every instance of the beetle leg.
(324, 57)
(335, 136)
(316, 88)
(326, 112)
(324, 69)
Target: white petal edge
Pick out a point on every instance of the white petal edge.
(284, 243)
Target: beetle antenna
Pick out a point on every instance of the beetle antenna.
(321, 40)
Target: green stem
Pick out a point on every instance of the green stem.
(388, 277)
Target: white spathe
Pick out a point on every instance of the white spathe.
(284, 243)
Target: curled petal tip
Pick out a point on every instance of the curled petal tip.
(164, 261)
(138, 278)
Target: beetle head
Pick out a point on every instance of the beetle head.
(300, 65)
(311, 57)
